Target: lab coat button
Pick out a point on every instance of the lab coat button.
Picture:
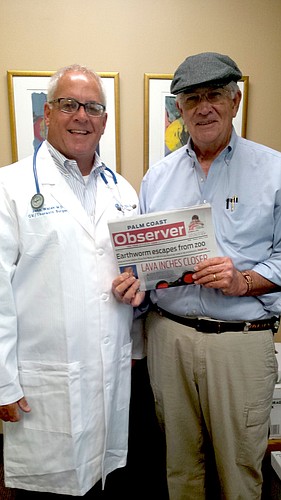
(104, 296)
(106, 340)
(100, 251)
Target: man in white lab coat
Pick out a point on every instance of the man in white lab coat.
(65, 355)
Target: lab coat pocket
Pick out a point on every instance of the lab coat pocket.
(124, 379)
(53, 393)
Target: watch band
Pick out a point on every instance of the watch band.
(249, 280)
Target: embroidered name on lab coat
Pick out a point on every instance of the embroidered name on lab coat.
(47, 211)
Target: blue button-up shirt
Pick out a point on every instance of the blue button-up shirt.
(247, 230)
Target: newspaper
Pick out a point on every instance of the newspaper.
(162, 248)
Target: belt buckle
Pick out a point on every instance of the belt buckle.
(219, 330)
(275, 326)
(246, 326)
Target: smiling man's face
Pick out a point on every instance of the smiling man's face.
(210, 124)
(76, 135)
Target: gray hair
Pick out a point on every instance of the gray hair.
(54, 80)
(232, 87)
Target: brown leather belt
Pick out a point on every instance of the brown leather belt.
(214, 326)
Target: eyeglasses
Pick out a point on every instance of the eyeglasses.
(213, 96)
(71, 105)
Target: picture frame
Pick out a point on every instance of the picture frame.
(27, 93)
(160, 112)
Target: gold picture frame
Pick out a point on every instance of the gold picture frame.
(23, 85)
(156, 92)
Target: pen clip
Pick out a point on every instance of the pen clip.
(231, 202)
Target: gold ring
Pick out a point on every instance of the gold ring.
(215, 278)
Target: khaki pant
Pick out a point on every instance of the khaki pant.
(219, 385)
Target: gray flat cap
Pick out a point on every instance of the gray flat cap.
(206, 68)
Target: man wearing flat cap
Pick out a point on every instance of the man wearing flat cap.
(211, 354)
(204, 69)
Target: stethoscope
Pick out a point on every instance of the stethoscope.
(37, 200)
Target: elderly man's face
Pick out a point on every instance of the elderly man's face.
(209, 122)
(75, 135)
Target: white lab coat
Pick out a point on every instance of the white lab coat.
(64, 339)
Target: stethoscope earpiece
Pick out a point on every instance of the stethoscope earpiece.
(119, 206)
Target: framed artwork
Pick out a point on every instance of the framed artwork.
(27, 93)
(164, 130)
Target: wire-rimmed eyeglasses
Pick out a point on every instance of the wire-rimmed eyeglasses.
(213, 96)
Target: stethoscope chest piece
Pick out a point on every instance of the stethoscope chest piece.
(37, 201)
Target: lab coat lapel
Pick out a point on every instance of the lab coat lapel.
(49, 175)
(65, 196)
(104, 197)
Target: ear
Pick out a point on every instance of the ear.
(178, 106)
(104, 118)
(47, 112)
(235, 103)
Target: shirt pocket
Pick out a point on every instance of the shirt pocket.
(53, 392)
(237, 229)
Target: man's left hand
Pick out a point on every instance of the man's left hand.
(220, 273)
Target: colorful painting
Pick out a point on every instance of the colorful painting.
(39, 126)
(175, 133)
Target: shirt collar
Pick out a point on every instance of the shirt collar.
(227, 152)
(69, 167)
